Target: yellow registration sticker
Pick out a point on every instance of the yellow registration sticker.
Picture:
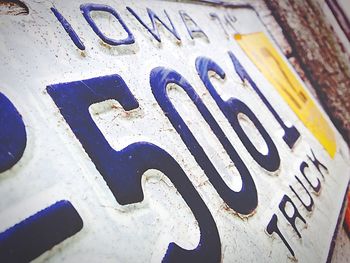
(266, 58)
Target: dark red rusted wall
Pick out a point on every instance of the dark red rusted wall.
(315, 47)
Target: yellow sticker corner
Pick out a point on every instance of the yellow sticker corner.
(267, 59)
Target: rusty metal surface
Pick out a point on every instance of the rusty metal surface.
(340, 16)
(319, 54)
(13, 7)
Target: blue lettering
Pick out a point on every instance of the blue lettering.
(154, 30)
(215, 16)
(244, 201)
(191, 25)
(13, 137)
(86, 10)
(291, 219)
(231, 109)
(317, 163)
(316, 187)
(272, 227)
(122, 170)
(38, 233)
(291, 134)
(69, 29)
(311, 203)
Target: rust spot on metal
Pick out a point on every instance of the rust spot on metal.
(13, 7)
(340, 16)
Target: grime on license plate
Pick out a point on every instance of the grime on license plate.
(148, 131)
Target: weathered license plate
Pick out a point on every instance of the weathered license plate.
(148, 131)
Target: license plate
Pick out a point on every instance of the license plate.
(148, 131)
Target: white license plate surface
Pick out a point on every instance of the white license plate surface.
(117, 147)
